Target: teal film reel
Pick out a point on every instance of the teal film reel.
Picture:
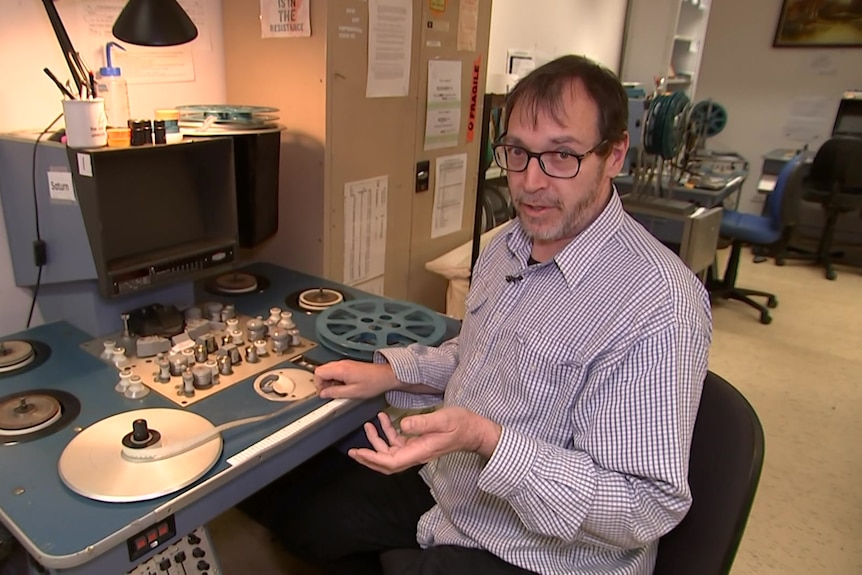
(357, 328)
(664, 130)
(708, 118)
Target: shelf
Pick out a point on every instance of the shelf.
(679, 38)
(493, 173)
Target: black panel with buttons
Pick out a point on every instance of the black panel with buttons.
(151, 538)
(192, 554)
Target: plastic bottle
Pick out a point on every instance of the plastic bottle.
(112, 87)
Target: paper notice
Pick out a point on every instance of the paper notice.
(390, 39)
(284, 18)
(95, 19)
(374, 285)
(449, 185)
(468, 23)
(365, 205)
(443, 113)
(156, 65)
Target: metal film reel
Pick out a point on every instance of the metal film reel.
(708, 118)
(357, 328)
(664, 130)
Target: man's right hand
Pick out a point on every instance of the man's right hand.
(354, 379)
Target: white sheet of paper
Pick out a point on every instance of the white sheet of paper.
(390, 40)
(365, 206)
(443, 108)
(374, 285)
(156, 65)
(468, 24)
(95, 18)
(284, 18)
(449, 184)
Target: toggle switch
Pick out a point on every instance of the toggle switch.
(423, 175)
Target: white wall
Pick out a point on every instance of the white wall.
(30, 101)
(775, 97)
(551, 28)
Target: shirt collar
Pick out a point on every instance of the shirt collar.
(577, 258)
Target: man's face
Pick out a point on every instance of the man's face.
(552, 211)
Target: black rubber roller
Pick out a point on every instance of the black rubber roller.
(141, 435)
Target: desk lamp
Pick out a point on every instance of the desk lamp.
(141, 22)
(154, 23)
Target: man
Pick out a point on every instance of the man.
(569, 397)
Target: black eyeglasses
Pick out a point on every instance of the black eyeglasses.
(557, 164)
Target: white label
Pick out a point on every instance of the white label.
(60, 186)
(85, 165)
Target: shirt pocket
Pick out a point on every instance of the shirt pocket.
(549, 380)
(475, 315)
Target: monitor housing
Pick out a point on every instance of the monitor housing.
(848, 120)
(156, 215)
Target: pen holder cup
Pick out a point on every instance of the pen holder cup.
(86, 123)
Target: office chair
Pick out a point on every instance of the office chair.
(835, 182)
(724, 469)
(771, 230)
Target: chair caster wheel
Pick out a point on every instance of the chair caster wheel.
(831, 275)
(759, 259)
(772, 302)
(765, 319)
(779, 261)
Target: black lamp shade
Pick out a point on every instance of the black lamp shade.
(154, 23)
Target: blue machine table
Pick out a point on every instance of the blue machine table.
(68, 533)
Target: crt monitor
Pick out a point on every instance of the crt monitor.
(157, 214)
(848, 120)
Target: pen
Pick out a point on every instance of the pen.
(92, 81)
(59, 85)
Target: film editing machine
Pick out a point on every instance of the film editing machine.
(170, 381)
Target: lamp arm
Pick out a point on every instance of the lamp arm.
(73, 59)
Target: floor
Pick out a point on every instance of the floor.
(803, 375)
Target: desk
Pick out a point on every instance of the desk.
(70, 534)
(703, 197)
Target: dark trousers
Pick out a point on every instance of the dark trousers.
(339, 515)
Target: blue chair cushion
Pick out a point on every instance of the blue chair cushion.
(749, 228)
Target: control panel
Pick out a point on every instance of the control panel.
(190, 555)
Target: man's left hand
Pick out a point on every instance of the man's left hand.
(426, 437)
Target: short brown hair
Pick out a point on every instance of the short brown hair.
(542, 91)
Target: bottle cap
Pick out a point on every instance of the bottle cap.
(110, 70)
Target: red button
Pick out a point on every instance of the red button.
(152, 536)
(163, 529)
(140, 543)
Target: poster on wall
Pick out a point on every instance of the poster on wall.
(819, 23)
(284, 18)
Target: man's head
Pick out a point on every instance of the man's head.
(574, 108)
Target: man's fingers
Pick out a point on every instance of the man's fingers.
(374, 438)
(389, 430)
(419, 424)
(382, 463)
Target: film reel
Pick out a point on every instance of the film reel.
(359, 327)
(708, 118)
(664, 130)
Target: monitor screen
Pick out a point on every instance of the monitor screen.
(848, 121)
(158, 214)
